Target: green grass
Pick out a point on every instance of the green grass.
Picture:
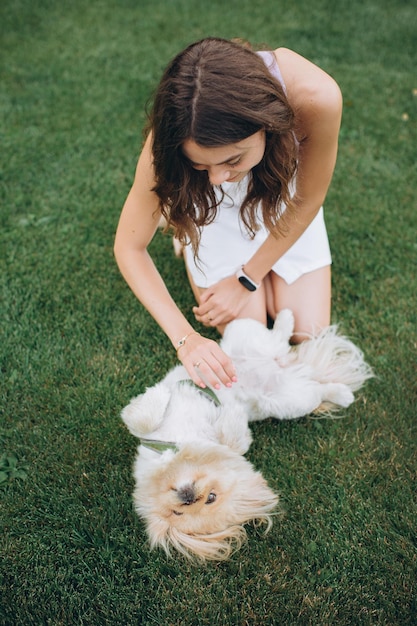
(76, 346)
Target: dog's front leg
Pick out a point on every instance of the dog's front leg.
(232, 429)
(144, 414)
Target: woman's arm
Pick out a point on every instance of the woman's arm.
(317, 102)
(137, 225)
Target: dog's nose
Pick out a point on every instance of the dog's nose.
(187, 494)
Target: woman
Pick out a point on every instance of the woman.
(240, 151)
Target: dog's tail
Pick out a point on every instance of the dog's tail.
(334, 359)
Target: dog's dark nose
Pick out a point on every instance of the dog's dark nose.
(186, 494)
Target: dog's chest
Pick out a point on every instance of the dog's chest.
(188, 417)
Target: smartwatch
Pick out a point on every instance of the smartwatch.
(247, 282)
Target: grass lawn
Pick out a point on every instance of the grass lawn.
(76, 345)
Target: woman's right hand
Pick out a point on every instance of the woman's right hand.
(206, 363)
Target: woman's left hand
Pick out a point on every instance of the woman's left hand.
(222, 302)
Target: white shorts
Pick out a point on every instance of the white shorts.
(225, 247)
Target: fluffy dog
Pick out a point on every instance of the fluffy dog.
(194, 488)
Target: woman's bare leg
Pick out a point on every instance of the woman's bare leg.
(309, 298)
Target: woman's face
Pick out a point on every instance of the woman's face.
(228, 163)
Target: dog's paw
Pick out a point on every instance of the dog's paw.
(338, 394)
(284, 325)
(232, 428)
(145, 413)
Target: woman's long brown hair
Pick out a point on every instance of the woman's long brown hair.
(217, 92)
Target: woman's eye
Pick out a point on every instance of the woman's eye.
(234, 163)
(211, 498)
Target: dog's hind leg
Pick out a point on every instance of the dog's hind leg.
(337, 394)
(283, 327)
(297, 395)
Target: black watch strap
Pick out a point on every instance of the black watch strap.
(247, 282)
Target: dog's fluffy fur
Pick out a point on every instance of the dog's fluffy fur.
(198, 498)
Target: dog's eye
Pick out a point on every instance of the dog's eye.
(177, 513)
(211, 498)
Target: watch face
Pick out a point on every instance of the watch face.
(246, 283)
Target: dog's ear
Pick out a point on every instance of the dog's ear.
(232, 428)
(145, 413)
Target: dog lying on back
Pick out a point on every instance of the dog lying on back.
(194, 488)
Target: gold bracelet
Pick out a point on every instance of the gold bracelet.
(184, 339)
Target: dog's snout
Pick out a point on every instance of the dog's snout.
(187, 494)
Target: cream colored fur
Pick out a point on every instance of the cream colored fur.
(198, 498)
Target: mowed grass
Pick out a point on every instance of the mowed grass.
(76, 346)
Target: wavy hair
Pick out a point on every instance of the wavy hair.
(217, 92)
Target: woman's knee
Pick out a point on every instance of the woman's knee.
(309, 298)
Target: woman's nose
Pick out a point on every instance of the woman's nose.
(217, 176)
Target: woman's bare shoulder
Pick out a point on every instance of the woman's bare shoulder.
(305, 81)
